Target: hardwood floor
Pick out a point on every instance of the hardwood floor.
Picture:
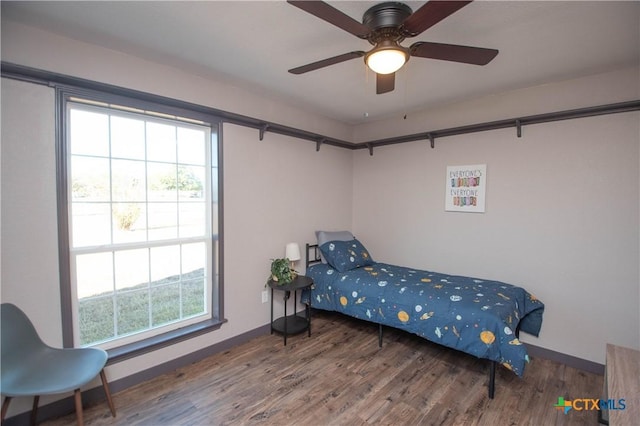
(340, 376)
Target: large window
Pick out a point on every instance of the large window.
(142, 195)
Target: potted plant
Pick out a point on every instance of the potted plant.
(282, 272)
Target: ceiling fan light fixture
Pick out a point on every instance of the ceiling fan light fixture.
(387, 57)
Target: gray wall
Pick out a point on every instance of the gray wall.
(268, 203)
(569, 234)
(561, 220)
(271, 186)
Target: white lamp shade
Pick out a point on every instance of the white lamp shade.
(386, 61)
(292, 252)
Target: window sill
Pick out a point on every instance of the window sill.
(151, 344)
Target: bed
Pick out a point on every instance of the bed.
(479, 317)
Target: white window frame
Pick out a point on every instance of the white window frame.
(127, 346)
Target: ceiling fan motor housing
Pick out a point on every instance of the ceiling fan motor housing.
(385, 26)
(385, 19)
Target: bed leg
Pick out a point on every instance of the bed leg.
(379, 335)
(492, 379)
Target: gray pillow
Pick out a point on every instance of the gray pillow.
(325, 236)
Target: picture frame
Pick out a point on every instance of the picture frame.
(466, 188)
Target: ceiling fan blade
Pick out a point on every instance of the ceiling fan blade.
(385, 83)
(326, 62)
(453, 52)
(333, 16)
(430, 14)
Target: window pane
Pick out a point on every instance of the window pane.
(129, 222)
(214, 150)
(193, 260)
(132, 269)
(163, 221)
(214, 185)
(133, 311)
(191, 182)
(127, 138)
(90, 179)
(163, 182)
(194, 278)
(139, 185)
(191, 146)
(192, 219)
(165, 264)
(161, 142)
(193, 297)
(89, 133)
(91, 224)
(95, 278)
(94, 274)
(164, 308)
(96, 319)
(128, 180)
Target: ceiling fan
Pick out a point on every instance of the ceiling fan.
(385, 26)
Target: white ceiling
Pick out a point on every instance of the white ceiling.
(254, 43)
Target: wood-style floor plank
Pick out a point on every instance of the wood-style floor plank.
(339, 376)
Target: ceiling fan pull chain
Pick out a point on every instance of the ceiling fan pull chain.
(432, 140)
(370, 146)
(318, 143)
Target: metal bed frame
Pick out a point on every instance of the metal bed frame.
(313, 258)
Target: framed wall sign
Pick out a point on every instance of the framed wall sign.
(465, 188)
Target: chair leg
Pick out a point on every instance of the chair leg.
(34, 410)
(5, 407)
(78, 398)
(105, 385)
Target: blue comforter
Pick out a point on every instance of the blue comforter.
(479, 317)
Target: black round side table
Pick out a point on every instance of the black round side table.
(291, 324)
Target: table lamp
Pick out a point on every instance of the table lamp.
(292, 252)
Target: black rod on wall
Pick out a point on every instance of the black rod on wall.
(33, 75)
(511, 122)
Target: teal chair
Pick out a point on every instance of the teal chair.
(29, 367)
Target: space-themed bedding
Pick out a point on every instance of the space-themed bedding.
(479, 317)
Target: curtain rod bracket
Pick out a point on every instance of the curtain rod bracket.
(519, 128)
(370, 146)
(319, 142)
(432, 140)
(262, 130)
